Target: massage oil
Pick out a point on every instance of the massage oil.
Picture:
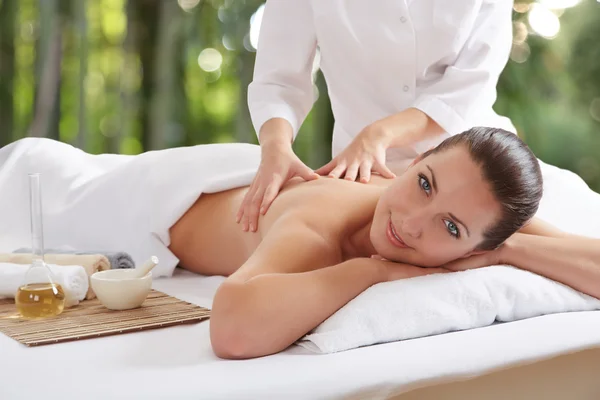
(39, 296)
(40, 300)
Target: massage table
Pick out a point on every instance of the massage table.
(521, 359)
(178, 363)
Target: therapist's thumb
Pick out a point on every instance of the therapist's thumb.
(306, 173)
(384, 171)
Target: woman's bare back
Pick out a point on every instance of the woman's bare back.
(207, 239)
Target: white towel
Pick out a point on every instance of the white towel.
(441, 303)
(72, 278)
(114, 202)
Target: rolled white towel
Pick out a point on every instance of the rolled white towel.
(72, 278)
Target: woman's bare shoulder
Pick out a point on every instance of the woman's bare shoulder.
(325, 204)
(290, 246)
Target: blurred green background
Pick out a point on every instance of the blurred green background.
(130, 76)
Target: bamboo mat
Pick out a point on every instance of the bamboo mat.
(90, 319)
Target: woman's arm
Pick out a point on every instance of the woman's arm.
(286, 290)
(545, 250)
(270, 312)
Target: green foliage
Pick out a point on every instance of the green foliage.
(132, 79)
(548, 97)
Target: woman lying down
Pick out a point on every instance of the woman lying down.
(467, 203)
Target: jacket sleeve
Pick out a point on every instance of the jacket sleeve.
(282, 84)
(468, 86)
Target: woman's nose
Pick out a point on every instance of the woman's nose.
(413, 224)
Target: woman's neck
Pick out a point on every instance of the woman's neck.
(358, 244)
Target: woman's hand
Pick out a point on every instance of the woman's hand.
(364, 154)
(393, 271)
(278, 164)
(486, 259)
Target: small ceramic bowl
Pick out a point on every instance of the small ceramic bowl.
(119, 289)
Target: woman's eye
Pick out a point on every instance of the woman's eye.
(424, 183)
(452, 229)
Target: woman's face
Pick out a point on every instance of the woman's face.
(434, 213)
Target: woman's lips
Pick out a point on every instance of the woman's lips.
(393, 236)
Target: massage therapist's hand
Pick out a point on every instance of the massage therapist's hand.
(364, 154)
(278, 164)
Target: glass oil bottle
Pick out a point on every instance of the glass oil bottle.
(39, 295)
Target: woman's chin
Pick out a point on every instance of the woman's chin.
(404, 255)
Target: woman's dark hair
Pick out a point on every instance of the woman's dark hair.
(513, 173)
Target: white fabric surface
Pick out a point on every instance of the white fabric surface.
(380, 58)
(177, 362)
(447, 302)
(113, 202)
(72, 278)
(441, 303)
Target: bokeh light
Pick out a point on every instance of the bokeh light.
(114, 24)
(520, 52)
(316, 92)
(222, 14)
(213, 76)
(543, 21)
(255, 23)
(210, 59)
(94, 82)
(595, 108)
(228, 42)
(559, 4)
(188, 5)
(316, 62)
(109, 125)
(247, 44)
(28, 31)
(521, 7)
(520, 32)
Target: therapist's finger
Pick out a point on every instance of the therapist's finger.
(253, 209)
(240, 212)
(351, 172)
(248, 197)
(270, 194)
(246, 207)
(327, 168)
(305, 173)
(245, 200)
(337, 171)
(365, 172)
(246, 217)
(384, 170)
